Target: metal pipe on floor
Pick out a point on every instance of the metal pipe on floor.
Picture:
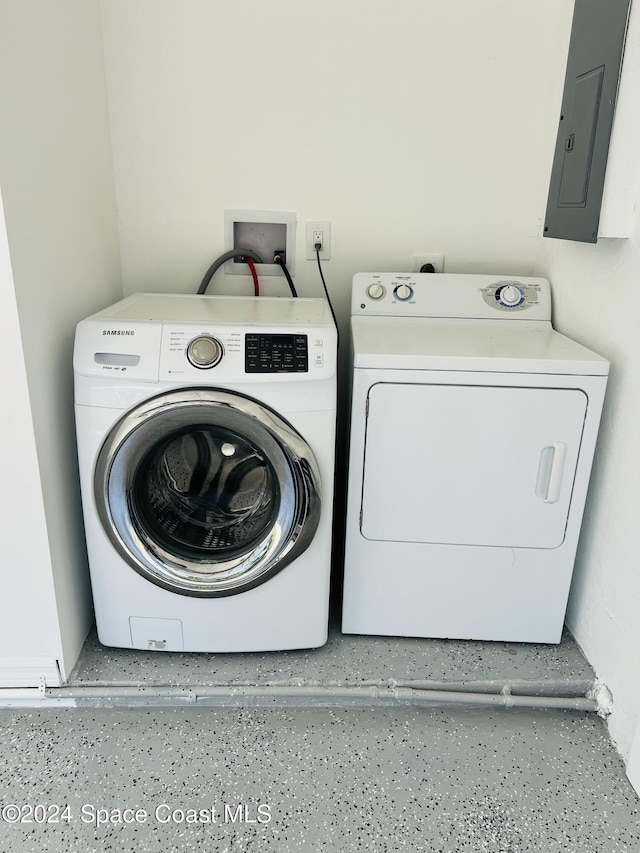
(552, 687)
(302, 696)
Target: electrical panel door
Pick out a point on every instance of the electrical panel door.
(586, 117)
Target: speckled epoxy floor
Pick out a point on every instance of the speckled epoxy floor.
(347, 660)
(324, 780)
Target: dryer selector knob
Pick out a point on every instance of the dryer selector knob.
(204, 352)
(403, 292)
(376, 291)
(511, 295)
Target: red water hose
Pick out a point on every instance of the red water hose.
(254, 273)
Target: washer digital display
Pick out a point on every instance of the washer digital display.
(276, 354)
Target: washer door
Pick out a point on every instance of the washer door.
(207, 492)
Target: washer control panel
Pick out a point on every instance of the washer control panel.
(233, 354)
(265, 353)
(511, 295)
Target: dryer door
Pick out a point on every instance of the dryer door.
(206, 492)
(470, 465)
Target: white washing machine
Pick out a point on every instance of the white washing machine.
(206, 430)
(473, 429)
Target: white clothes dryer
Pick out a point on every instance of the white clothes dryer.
(206, 429)
(473, 429)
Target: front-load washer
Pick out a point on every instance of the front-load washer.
(473, 429)
(206, 428)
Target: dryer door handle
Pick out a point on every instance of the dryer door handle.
(550, 472)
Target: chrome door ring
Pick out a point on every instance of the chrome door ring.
(291, 459)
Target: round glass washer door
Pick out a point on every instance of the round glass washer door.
(206, 492)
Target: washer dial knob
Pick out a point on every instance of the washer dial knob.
(403, 292)
(511, 295)
(376, 291)
(204, 352)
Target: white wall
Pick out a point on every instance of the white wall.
(57, 185)
(27, 582)
(411, 126)
(596, 302)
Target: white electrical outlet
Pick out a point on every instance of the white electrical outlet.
(419, 260)
(318, 232)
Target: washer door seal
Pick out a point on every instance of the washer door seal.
(207, 492)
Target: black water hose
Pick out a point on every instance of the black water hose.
(228, 256)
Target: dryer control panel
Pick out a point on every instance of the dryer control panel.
(511, 295)
(451, 295)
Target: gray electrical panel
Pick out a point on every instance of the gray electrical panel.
(588, 104)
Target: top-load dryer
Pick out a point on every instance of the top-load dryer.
(473, 429)
(206, 430)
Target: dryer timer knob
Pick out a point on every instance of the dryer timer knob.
(510, 294)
